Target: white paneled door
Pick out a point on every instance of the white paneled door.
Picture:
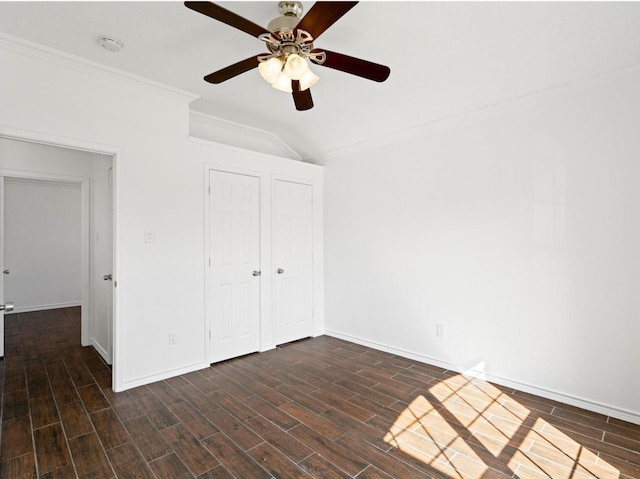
(1, 265)
(292, 260)
(234, 236)
(107, 254)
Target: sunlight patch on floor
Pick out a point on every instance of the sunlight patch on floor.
(553, 453)
(422, 432)
(463, 426)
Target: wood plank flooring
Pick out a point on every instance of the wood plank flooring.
(320, 408)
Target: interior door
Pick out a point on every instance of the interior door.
(3, 306)
(2, 265)
(292, 260)
(107, 256)
(110, 253)
(234, 236)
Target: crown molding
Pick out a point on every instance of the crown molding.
(59, 58)
(524, 102)
(221, 125)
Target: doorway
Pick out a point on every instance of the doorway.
(36, 163)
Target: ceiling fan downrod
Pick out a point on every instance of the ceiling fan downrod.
(285, 39)
(290, 14)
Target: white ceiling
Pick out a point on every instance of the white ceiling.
(446, 58)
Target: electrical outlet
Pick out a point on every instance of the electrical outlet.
(439, 330)
(172, 337)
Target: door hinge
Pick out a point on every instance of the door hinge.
(209, 334)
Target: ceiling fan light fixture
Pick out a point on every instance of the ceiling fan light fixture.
(280, 71)
(308, 80)
(282, 83)
(295, 67)
(270, 69)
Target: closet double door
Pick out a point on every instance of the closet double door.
(239, 244)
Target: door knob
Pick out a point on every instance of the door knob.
(279, 271)
(107, 277)
(6, 271)
(257, 273)
(6, 307)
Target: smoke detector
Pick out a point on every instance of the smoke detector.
(110, 44)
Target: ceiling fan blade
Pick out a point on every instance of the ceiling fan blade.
(233, 70)
(355, 66)
(226, 16)
(302, 99)
(322, 15)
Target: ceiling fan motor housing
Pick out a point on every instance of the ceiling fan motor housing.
(290, 16)
(290, 9)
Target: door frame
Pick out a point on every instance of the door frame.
(89, 147)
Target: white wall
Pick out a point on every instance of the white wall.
(42, 244)
(159, 188)
(518, 232)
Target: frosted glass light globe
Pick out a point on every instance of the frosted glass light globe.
(308, 80)
(282, 83)
(296, 66)
(270, 69)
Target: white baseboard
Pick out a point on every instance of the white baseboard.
(100, 350)
(622, 414)
(44, 307)
(268, 347)
(133, 383)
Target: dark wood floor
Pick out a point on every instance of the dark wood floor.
(321, 408)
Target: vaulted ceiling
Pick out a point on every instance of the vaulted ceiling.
(446, 58)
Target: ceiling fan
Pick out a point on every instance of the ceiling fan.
(289, 41)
